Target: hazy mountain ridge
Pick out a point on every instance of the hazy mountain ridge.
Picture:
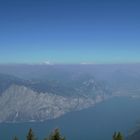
(7, 80)
(55, 78)
(66, 85)
(37, 93)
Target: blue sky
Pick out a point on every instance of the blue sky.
(69, 31)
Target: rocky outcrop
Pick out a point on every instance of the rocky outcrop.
(21, 104)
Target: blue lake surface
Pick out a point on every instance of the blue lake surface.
(96, 123)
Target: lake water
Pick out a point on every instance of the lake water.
(96, 123)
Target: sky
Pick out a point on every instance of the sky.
(69, 31)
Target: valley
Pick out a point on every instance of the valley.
(91, 99)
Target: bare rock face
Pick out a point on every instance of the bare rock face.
(21, 104)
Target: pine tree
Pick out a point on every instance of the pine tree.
(114, 136)
(15, 138)
(117, 136)
(55, 135)
(30, 135)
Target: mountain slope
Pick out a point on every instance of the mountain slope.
(59, 84)
(19, 103)
(7, 80)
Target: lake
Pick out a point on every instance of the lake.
(96, 123)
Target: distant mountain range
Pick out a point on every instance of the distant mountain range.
(21, 104)
(42, 92)
(39, 100)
